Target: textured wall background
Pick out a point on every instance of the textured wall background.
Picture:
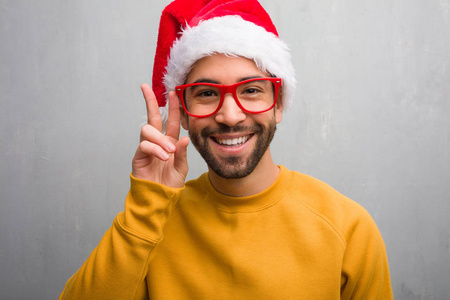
(371, 119)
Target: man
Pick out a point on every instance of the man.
(247, 229)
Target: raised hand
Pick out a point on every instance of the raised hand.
(161, 158)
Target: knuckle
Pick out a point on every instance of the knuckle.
(147, 147)
(143, 146)
(145, 129)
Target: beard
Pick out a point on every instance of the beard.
(233, 167)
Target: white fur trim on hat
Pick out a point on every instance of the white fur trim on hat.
(233, 36)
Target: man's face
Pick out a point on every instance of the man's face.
(231, 142)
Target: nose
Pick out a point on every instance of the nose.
(230, 113)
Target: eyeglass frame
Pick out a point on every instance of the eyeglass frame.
(229, 89)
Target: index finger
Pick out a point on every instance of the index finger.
(153, 115)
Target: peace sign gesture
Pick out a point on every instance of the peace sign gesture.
(161, 158)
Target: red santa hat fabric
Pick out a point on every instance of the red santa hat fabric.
(192, 29)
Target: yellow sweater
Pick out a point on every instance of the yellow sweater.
(299, 239)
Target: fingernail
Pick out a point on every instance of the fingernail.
(171, 147)
(164, 156)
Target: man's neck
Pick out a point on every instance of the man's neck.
(260, 179)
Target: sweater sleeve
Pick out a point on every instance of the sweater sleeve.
(117, 267)
(365, 270)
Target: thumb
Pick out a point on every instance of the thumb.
(180, 162)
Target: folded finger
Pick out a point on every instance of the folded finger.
(151, 149)
(153, 135)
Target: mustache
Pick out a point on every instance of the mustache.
(225, 129)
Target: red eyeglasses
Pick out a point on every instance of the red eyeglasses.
(253, 96)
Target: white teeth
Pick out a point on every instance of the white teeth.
(233, 142)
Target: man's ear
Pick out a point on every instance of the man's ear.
(184, 119)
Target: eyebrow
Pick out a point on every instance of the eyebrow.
(206, 80)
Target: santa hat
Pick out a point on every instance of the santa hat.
(192, 29)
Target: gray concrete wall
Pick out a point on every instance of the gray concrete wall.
(371, 119)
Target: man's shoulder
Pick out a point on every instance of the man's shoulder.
(327, 203)
(319, 194)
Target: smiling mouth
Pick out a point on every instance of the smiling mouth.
(232, 142)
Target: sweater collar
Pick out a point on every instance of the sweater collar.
(253, 203)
